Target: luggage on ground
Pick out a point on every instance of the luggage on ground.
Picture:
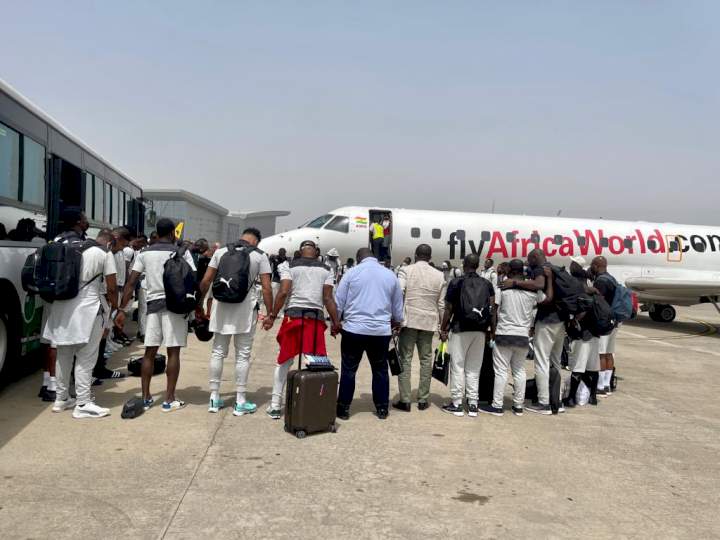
(180, 283)
(310, 398)
(531, 392)
(135, 365)
(232, 281)
(441, 365)
(133, 408)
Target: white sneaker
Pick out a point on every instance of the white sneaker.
(90, 410)
(60, 406)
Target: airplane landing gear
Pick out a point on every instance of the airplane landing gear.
(663, 313)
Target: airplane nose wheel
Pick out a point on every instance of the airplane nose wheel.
(663, 313)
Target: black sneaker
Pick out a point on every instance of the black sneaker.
(601, 392)
(593, 400)
(342, 412)
(540, 409)
(382, 414)
(422, 405)
(517, 411)
(401, 406)
(489, 409)
(108, 374)
(472, 411)
(569, 403)
(47, 395)
(451, 408)
(42, 391)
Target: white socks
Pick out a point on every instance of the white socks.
(240, 398)
(215, 395)
(46, 378)
(604, 379)
(52, 384)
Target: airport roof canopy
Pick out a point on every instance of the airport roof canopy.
(161, 194)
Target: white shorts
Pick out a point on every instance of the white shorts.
(607, 343)
(46, 313)
(584, 355)
(166, 329)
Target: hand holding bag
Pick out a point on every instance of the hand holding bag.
(441, 365)
(393, 357)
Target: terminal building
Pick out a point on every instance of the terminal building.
(206, 219)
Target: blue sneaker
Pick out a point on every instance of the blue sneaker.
(171, 406)
(245, 408)
(215, 405)
(147, 403)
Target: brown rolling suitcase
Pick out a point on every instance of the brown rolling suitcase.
(310, 400)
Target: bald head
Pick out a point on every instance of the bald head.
(363, 253)
(423, 252)
(471, 263)
(598, 265)
(536, 258)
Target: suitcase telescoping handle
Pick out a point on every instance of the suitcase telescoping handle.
(302, 334)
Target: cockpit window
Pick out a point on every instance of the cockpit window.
(339, 224)
(319, 222)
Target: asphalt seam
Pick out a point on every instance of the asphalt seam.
(192, 478)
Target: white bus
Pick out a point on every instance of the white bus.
(43, 170)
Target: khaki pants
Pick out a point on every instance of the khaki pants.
(410, 338)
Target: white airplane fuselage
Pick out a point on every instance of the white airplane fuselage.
(664, 263)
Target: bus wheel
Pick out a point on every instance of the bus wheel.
(9, 343)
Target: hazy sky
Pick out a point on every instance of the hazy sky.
(600, 109)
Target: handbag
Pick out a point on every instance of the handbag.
(396, 367)
(441, 365)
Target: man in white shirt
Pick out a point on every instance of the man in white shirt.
(488, 272)
(75, 327)
(515, 316)
(236, 321)
(162, 327)
(424, 290)
(306, 286)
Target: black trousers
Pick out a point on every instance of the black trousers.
(377, 248)
(352, 348)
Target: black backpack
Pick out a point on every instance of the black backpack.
(232, 281)
(135, 365)
(133, 408)
(58, 266)
(180, 283)
(569, 298)
(27, 274)
(475, 309)
(599, 319)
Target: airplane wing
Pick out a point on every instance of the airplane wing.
(673, 287)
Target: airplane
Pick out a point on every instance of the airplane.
(664, 264)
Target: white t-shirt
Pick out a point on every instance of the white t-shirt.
(71, 321)
(516, 311)
(151, 262)
(228, 319)
(308, 277)
(121, 269)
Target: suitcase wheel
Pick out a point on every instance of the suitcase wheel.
(300, 434)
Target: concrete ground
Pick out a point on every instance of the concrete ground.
(642, 464)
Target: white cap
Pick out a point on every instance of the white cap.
(580, 260)
(333, 253)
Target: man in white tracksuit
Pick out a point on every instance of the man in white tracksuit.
(236, 321)
(75, 327)
(515, 312)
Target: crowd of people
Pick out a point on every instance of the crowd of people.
(490, 314)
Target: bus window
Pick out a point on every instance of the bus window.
(106, 204)
(339, 224)
(98, 198)
(9, 162)
(319, 222)
(89, 207)
(33, 184)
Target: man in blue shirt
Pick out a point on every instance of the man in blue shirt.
(370, 304)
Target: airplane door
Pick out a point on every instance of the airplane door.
(382, 248)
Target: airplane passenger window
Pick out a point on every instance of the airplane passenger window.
(415, 232)
(339, 224)
(535, 238)
(698, 244)
(485, 236)
(558, 239)
(628, 243)
(673, 245)
(510, 237)
(604, 242)
(652, 245)
(436, 234)
(319, 222)
(581, 240)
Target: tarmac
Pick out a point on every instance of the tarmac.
(642, 464)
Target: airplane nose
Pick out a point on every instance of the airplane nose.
(272, 244)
